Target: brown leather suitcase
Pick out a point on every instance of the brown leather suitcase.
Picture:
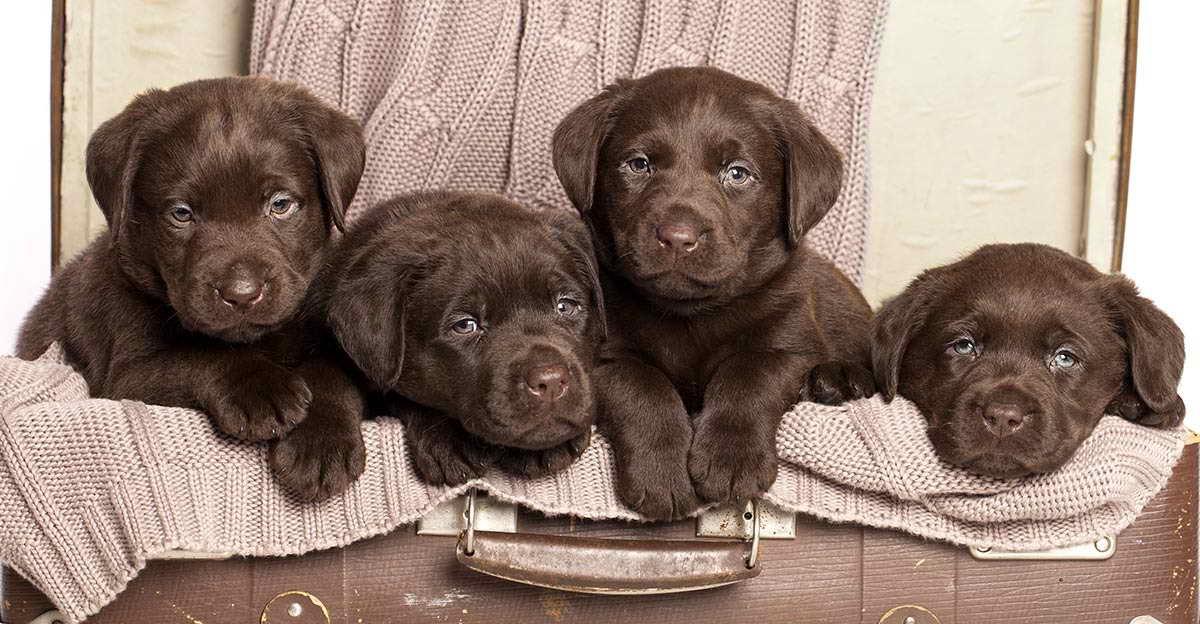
(826, 573)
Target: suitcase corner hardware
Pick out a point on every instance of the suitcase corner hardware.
(1100, 549)
(737, 522)
(491, 514)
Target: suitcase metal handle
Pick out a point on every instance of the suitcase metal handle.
(607, 566)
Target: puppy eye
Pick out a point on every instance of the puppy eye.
(466, 326)
(282, 206)
(1064, 359)
(567, 306)
(964, 346)
(181, 214)
(638, 164)
(736, 175)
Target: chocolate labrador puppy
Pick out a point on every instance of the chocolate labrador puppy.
(479, 319)
(1015, 352)
(220, 196)
(699, 187)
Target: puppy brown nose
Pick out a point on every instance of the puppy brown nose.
(678, 236)
(548, 383)
(241, 293)
(1003, 419)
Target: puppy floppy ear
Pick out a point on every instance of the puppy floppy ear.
(366, 309)
(339, 151)
(813, 169)
(113, 158)
(576, 235)
(894, 327)
(1155, 350)
(575, 148)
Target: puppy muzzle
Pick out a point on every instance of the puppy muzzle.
(240, 300)
(539, 399)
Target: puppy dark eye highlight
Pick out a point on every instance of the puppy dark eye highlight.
(466, 326)
(282, 206)
(567, 306)
(638, 164)
(180, 215)
(736, 174)
(1063, 359)
(964, 346)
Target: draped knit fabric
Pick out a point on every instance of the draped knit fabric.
(90, 488)
(465, 95)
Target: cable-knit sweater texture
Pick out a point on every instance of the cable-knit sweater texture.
(465, 95)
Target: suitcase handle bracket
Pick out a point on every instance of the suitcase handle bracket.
(608, 566)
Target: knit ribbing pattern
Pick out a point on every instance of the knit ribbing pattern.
(466, 95)
(90, 488)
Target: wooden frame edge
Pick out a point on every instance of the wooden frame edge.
(58, 38)
(1131, 38)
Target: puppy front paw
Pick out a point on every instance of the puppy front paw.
(730, 465)
(258, 401)
(316, 462)
(535, 464)
(445, 455)
(656, 485)
(1127, 405)
(834, 383)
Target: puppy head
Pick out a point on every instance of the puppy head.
(697, 183)
(1014, 352)
(219, 194)
(477, 307)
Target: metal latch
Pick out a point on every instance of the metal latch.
(738, 522)
(1102, 548)
(491, 514)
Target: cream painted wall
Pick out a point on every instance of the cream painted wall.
(980, 113)
(25, 163)
(979, 120)
(116, 50)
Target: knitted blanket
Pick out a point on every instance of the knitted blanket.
(465, 95)
(91, 488)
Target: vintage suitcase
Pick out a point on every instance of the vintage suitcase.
(825, 573)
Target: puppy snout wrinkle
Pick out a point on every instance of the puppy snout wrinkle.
(548, 383)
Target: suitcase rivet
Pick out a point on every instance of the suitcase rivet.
(909, 614)
(1103, 544)
(295, 606)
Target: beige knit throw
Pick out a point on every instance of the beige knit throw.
(90, 488)
(464, 95)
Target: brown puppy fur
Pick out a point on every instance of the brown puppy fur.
(480, 320)
(220, 196)
(699, 187)
(1015, 352)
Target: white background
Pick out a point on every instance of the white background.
(24, 163)
(1162, 236)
